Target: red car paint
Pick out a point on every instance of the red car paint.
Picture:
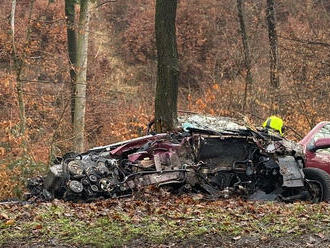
(318, 136)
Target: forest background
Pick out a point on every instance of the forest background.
(122, 68)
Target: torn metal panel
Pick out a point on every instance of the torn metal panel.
(156, 179)
(293, 175)
(209, 123)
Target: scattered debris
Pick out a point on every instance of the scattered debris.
(211, 156)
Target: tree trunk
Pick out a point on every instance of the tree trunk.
(12, 23)
(168, 68)
(273, 61)
(18, 63)
(81, 70)
(247, 56)
(72, 47)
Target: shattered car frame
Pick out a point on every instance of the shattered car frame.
(200, 158)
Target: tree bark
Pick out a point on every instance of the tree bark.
(80, 85)
(168, 68)
(273, 52)
(247, 56)
(72, 47)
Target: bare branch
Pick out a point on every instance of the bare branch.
(308, 42)
(36, 81)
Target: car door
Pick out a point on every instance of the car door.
(321, 157)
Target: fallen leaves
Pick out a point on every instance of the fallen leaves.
(4, 216)
(157, 216)
(37, 227)
(10, 222)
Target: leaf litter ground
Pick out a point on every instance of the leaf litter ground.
(159, 219)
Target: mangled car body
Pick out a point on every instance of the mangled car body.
(209, 155)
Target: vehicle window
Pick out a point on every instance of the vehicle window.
(323, 133)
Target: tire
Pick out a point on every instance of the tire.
(322, 178)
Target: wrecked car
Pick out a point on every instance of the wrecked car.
(210, 155)
(317, 147)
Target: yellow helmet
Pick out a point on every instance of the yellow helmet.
(274, 123)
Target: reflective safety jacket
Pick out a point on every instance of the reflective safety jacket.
(275, 123)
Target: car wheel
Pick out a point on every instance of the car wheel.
(318, 184)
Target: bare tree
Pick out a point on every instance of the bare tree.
(18, 60)
(168, 68)
(273, 53)
(247, 56)
(18, 63)
(81, 70)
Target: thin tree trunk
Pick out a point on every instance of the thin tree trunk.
(18, 63)
(247, 56)
(168, 68)
(12, 23)
(72, 47)
(273, 53)
(80, 85)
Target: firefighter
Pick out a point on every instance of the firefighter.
(274, 123)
